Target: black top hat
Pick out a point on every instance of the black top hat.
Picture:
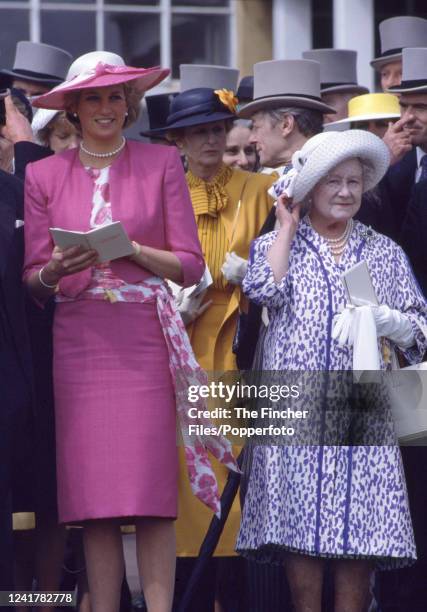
(199, 106)
(245, 91)
(39, 63)
(158, 111)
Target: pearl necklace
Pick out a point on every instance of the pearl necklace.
(103, 155)
(337, 245)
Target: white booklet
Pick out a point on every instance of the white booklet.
(358, 285)
(111, 241)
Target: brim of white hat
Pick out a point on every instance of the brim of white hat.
(336, 148)
(141, 79)
(368, 117)
(41, 119)
(379, 62)
(357, 89)
(278, 101)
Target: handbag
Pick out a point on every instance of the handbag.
(408, 395)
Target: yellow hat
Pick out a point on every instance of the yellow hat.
(370, 107)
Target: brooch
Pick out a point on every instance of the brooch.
(368, 233)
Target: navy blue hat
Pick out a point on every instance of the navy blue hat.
(158, 111)
(245, 91)
(196, 107)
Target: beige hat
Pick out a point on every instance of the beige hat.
(215, 77)
(414, 74)
(324, 151)
(398, 33)
(286, 83)
(338, 72)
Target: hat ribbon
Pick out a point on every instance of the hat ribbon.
(102, 69)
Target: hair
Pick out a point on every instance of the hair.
(133, 100)
(309, 121)
(59, 120)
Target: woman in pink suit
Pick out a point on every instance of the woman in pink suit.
(114, 393)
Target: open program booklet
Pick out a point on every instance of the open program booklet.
(111, 241)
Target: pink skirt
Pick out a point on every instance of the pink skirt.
(115, 412)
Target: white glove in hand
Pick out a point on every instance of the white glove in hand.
(189, 307)
(394, 325)
(389, 323)
(234, 268)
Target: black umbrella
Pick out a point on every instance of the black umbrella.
(212, 536)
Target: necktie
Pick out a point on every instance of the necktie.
(423, 166)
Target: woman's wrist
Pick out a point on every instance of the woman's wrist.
(48, 278)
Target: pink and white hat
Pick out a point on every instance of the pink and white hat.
(100, 69)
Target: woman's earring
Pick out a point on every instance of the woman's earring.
(126, 114)
(75, 115)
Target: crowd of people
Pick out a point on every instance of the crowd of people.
(262, 193)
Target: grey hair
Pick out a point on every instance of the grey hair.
(308, 120)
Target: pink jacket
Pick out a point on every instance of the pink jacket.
(149, 195)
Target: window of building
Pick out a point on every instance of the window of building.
(145, 33)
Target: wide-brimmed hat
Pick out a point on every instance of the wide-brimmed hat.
(41, 119)
(398, 33)
(199, 106)
(414, 74)
(39, 62)
(286, 83)
(321, 153)
(193, 76)
(369, 107)
(158, 106)
(100, 69)
(338, 72)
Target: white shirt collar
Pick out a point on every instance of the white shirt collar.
(420, 155)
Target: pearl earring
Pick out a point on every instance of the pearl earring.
(75, 115)
(126, 114)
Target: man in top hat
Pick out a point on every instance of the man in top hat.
(407, 188)
(338, 79)
(412, 168)
(397, 33)
(282, 121)
(37, 67)
(286, 111)
(411, 172)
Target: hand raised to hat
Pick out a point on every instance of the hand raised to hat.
(397, 139)
(288, 215)
(17, 127)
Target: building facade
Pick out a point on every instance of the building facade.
(231, 32)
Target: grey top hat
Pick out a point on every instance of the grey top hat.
(40, 63)
(286, 83)
(202, 75)
(338, 71)
(397, 33)
(414, 75)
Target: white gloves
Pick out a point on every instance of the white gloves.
(189, 306)
(394, 325)
(234, 268)
(389, 323)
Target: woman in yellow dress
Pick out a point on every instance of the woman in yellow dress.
(230, 206)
